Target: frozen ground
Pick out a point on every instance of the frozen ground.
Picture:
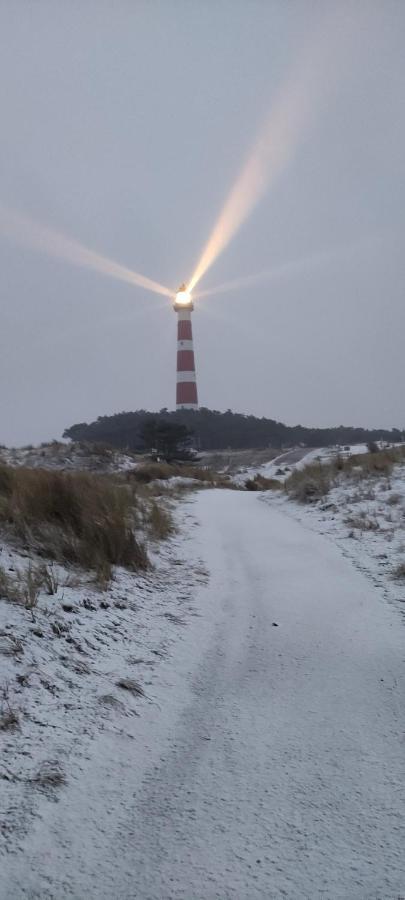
(267, 759)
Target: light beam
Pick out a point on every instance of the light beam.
(23, 230)
(291, 267)
(294, 107)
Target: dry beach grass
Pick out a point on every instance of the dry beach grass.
(314, 481)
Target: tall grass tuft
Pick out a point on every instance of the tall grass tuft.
(309, 484)
(159, 521)
(72, 517)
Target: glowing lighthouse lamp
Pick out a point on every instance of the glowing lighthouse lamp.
(186, 386)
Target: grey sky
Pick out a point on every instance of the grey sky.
(124, 125)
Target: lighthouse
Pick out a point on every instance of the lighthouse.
(186, 383)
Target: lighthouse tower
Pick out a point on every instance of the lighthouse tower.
(186, 385)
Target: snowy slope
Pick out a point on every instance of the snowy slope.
(81, 665)
(366, 519)
(70, 457)
(297, 458)
(268, 761)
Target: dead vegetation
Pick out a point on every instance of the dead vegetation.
(261, 483)
(172, 617)
(7, 587)
(49, 775)
(154, 471)
(24, 587)
(92, 521)
(362, 522)
(314, 481)
(10, 645)
(394, 499)
(76, 518)
(111, 702)
(50, 581)
(399, 572)
(32, 582)
(9, 718)
(129, 684)
(159, 522)
(309, 484)
(103, 575)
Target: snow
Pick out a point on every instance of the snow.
(275, 468)
(366, 519)
(266, 759)
(297, 458)
(70, 457)
(59, 671)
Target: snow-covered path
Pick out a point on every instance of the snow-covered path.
(279, 769)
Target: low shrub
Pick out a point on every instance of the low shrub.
(363, 522)
(380, 462)
(309, 484)
(261, 483)
(152, 472)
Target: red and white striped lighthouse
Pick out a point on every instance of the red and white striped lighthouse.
(186, 385)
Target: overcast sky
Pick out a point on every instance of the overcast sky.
(124, 125)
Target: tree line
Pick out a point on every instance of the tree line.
(213, 430)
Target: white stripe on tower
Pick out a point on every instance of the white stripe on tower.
(186, 387)
(185, 376)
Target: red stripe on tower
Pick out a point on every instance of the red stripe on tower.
(186, 387)
(185, 359)
(184, 330)
(186, 395)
